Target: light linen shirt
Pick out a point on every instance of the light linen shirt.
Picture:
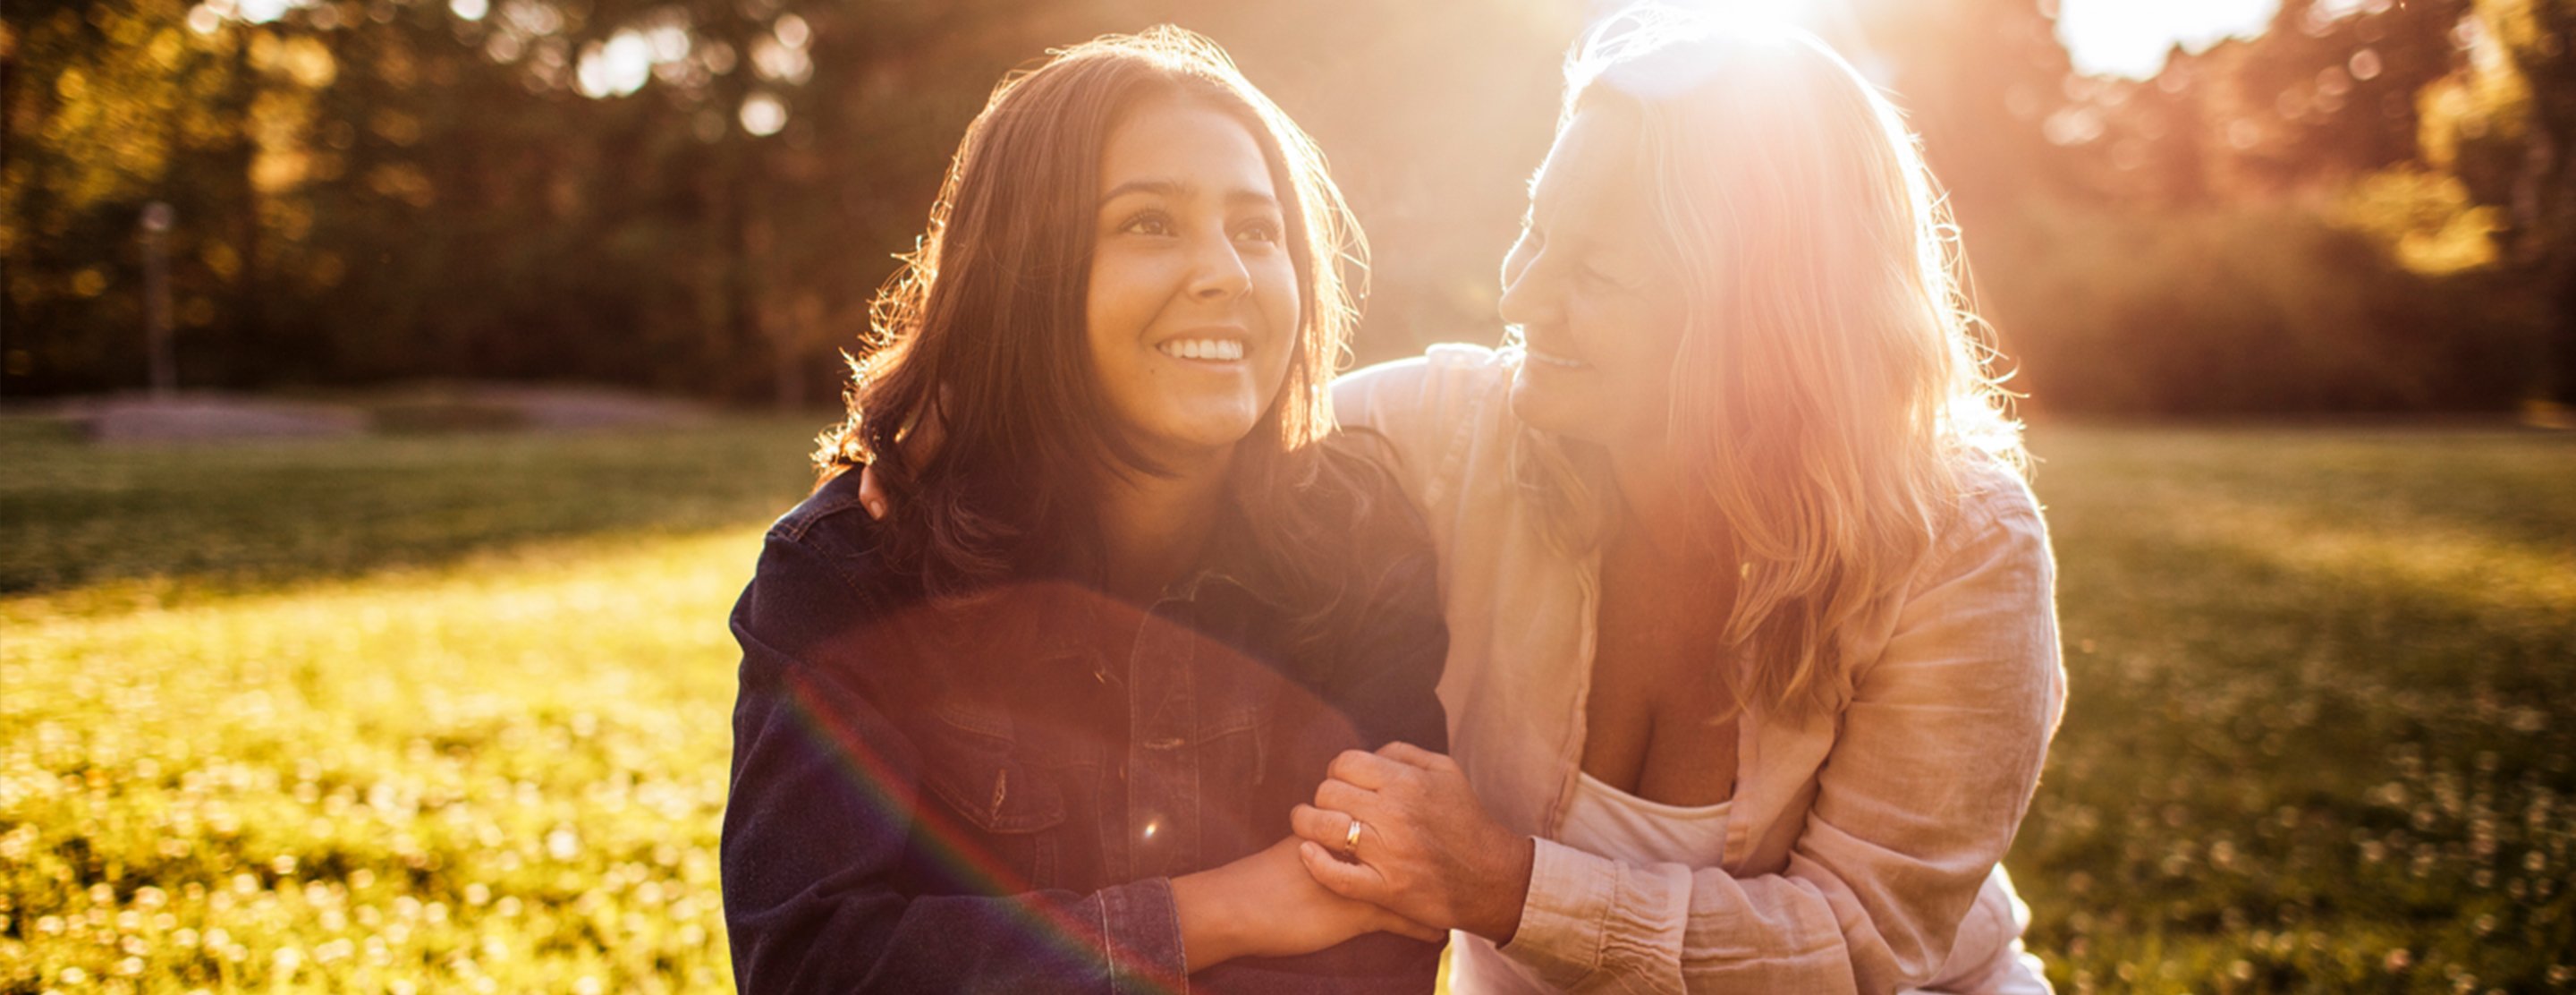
(1862, 848)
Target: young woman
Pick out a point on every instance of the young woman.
(1040, 728)
(1753, 657)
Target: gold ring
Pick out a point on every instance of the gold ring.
(1351, 841)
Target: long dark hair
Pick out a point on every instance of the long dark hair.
(982, 333)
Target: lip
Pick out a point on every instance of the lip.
(1552, 360)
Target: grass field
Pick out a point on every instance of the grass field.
(449, 713)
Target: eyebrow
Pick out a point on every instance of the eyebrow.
(1178, 190)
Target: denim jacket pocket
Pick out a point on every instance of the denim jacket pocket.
(970, 763)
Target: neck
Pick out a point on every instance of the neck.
(1662, 506)
(1153, 527)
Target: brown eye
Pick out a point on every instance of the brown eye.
(1259, 231)
(1147, 223)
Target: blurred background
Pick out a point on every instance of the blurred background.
(393, 394)
(2318, 206)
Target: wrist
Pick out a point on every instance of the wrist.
(1212, 929)
(1498, 915)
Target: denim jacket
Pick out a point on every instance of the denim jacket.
(920, 803)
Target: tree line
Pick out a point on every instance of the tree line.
(2372, 206)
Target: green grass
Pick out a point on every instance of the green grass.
(2320, 727)
(450, 712)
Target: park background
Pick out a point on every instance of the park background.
(436, 699)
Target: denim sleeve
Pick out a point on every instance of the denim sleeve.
(824, 797)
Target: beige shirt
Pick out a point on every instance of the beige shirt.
(1861, 851)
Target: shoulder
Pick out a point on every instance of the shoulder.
(1993, 533)
(1441, 381)
(821, 567)
(1432, 410)
(1367, 497)
(830, 507)
(1995, 504)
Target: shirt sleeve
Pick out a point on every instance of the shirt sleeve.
(1422, 408)
(823, 802)
(1930, 773)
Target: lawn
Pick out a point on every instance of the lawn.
(448, 713)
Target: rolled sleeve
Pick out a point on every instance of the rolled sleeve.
(1931, 769)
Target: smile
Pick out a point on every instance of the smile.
(1204, 350)
(1554, 360)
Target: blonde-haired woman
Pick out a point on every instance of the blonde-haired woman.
(1753, 656)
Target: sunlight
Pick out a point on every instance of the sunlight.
(1801, 13)
(617, 68)
(2128, 38)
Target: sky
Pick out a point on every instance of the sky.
(2130, 37)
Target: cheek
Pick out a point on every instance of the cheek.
(1276, 297)
(1120, 300)
(1633, 333)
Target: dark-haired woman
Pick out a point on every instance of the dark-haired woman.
(1040, 728)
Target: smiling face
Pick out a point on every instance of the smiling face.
(1192, 309)
(1597, 303)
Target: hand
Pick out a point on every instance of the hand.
(1266, 905)
(871, 496)
(1427, 851)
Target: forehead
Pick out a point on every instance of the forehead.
(1589, 180)
(1182, 139)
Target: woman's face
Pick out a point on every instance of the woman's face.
(1597, 303)
(1193, 299)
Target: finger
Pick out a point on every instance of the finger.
(1341, 877)
(871, 496)
(1415, 756)
(1365, 769)
(1325, 827)
(1352, 801)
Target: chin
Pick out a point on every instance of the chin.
(1544, 408)
(1207, 434)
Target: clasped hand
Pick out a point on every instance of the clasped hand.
(1426, 850)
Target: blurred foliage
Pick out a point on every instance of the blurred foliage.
(700, 195)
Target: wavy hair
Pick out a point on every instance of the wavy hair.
(1831, 383)
(981, 332)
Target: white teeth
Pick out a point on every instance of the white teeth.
(1212, 349)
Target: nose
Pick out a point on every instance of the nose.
(1217, 272)
(1528, 295)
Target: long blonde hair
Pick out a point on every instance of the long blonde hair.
(1831, 384)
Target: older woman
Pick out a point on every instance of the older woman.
(1753, 656)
